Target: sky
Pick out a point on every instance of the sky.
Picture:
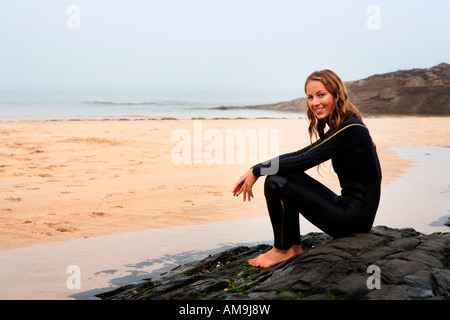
(215, 45)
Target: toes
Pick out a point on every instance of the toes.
(254, 262)
(251, 262)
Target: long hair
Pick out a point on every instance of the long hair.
(342, 108)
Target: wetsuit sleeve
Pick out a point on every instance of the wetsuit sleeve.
(295, 153)
(257, 168)
(342, 138)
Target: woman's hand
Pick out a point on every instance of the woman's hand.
(244, 185)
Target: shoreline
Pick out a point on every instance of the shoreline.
(143, 118)
(80, 179)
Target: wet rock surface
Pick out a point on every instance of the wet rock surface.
(386, 264)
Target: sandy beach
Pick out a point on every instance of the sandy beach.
(65, 180)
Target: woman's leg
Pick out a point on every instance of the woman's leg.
(286, 197)
(285, 224)
(322, 207)
(283, 215)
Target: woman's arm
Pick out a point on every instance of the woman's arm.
(298, 152)
(246, 181)
(271, 166)
(343, 137)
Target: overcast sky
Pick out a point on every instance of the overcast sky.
(213, 45)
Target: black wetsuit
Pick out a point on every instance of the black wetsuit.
(290, 191)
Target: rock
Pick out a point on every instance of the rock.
(423, 283)
(390, 292)
(416, 91)
(404, 264)
(441, 280)
(447, 223)
(394, 270)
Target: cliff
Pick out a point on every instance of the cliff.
(404, 92)
(384, 264)
(416, 91)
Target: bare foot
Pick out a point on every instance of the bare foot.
(274, 256)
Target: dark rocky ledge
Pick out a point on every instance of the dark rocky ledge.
(411, 265)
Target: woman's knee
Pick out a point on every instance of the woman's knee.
(274, 185)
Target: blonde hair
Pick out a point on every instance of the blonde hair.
(342, 108)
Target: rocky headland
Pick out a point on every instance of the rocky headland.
(404, 92)
(384, 264)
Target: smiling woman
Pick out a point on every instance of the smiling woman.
(290, 191)
(327, 101)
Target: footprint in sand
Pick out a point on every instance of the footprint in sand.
(98, 214)
(13, 199)
(57, 227)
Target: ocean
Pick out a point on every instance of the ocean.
(113, 105)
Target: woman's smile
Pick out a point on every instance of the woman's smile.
(319, 109)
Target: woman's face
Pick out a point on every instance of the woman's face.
(320, 101)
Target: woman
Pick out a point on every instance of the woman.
(290, 191)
